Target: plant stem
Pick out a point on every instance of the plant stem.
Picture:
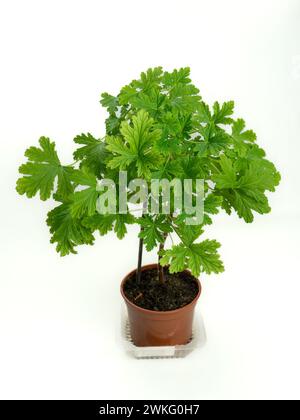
(140, 259)
(161, 275)
(141, 246)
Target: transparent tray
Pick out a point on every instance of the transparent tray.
(197, 341)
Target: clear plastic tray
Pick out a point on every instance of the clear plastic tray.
(197, 341)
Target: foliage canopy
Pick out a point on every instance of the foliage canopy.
(158, 126)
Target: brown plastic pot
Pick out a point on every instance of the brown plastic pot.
(157, 328)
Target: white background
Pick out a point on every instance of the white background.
(59, 317)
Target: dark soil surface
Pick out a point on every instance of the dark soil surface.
(177, 291)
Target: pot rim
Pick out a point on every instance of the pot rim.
(149, 311)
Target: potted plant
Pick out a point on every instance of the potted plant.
(160, 134)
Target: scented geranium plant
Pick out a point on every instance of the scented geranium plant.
(158, 127)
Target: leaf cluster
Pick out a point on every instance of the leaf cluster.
(158, 126)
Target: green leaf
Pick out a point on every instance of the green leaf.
(45, 154)
(171, 169)
(184, 98)
(112, 124)
(166, 145)
(182, 95)
(249, 193)
(227, 178)
(241, 138)
(194, 167)
(176, 258)
(120, 225)
(187, 233)
(215, 140)
(255, 152)
(101, 222)
(261, 175)
(246, 202)
(84, 202)
(205, 258)
(222, 114)
(175, 127)
(202, 257)
(246, 190)
(141, 135)
(136, 145)
(67, 231)
(110, 102)
(181, 76)
(149, 79)
(41, 171)
(127, 94)
(154, 230)
(107, 222)
(64, 184)
(84, 177)
(125, 155)
(204, 114)
(239, 133)
(92, 155)
(170, 123)
(212, 203)
(150, 102)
